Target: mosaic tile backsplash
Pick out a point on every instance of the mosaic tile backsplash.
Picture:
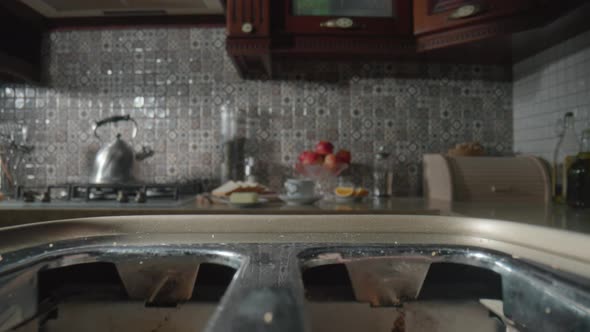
(174, 82)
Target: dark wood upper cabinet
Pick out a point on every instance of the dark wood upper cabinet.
(248, 18)
(442, 24)
(21, 31)
(348, 17)
(248, 40)
(261, 32)
(440, 15)
(341, 29)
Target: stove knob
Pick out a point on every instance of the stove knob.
(140, 197)
(122, 197)
(46, 197)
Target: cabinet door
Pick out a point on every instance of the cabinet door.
(20, 50)
(368, 17)
(248, 18)
(437, 15)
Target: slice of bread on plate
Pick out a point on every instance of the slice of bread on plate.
(231, 187)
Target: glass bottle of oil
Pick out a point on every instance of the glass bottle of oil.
(382, 174)
(564, 155)
(578, 176)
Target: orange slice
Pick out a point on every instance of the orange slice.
(361, 192)
(344, 191)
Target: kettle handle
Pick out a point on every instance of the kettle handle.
(114, 119)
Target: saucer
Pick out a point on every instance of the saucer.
(299, 200)
(249, 205)
(348, 200)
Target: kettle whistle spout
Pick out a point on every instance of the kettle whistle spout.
(145, 153)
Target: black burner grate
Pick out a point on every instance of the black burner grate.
(86, 192)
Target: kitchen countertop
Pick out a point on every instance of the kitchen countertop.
(553, 216)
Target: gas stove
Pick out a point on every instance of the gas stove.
(264, 274)
(128, 193)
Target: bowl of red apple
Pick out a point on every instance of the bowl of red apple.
(322, 162)
(323, 165)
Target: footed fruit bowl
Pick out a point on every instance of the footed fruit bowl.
(324, 177)
(320, 171)
(323, 166)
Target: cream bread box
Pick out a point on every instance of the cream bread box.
(486, 179)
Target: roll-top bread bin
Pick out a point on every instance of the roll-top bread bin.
(486, 179)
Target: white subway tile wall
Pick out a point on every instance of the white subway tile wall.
(545, 87)
(174, 81)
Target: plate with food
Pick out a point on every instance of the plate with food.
(231, 187)
(246, 200)
(346, 195)
(242, 194)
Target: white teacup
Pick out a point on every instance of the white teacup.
(296, 188)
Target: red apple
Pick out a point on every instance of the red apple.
(310, 158)
(331, 162)
(343, 156)
(301, 156)
(324, 148)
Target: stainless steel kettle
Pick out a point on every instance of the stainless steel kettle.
(115, 162)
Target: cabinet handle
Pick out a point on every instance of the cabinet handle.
(339, 23)
(501, 189)
(247, 27)
(466, 11)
